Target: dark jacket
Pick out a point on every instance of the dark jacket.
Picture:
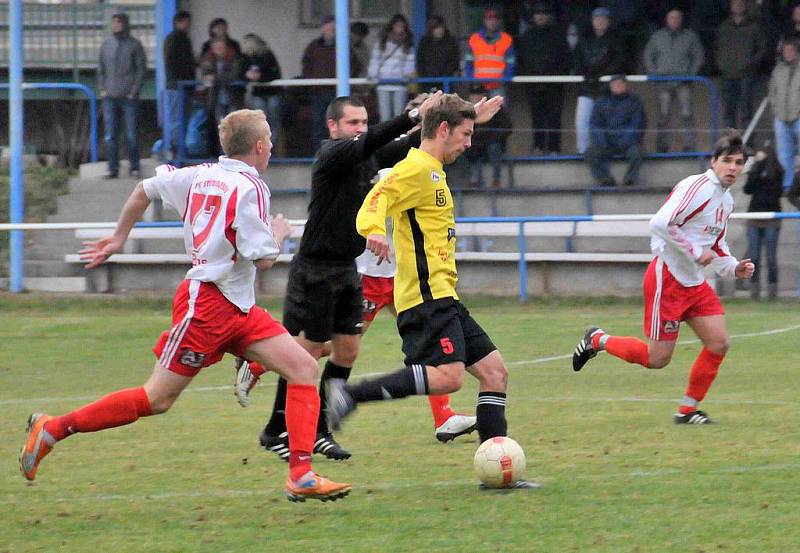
(179, 63)
(793, 195)
(340, 180)
(437, 58)
(740, 49)
(543, 51)
(497, 130)
(224, 71)
(233, 44)
(122, 64)
(765, 184)
(617, 121)
(596, 56)
(270, 70)
(319, 62)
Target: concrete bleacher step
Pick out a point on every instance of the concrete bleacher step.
(55, 284)
(122, 187)
(52, 268)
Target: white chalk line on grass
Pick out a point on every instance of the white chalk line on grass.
(397, 484)
(536, 361)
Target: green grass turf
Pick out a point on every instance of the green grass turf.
(617, 474)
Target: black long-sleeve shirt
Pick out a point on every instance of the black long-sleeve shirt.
(340, 181)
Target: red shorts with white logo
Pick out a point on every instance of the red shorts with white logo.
(667, 302)
(206, 325)
(378, 293)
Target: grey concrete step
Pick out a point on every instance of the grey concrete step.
(101, 187)
(51, 268)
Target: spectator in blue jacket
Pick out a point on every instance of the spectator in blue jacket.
(616, 128)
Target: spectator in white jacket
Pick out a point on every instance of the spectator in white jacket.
(392, 58)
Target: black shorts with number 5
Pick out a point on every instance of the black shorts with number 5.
(442, 331)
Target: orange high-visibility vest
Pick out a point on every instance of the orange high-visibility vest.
(489, 59)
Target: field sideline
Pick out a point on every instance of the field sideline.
(617, 474)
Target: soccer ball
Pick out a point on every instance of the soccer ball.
(499, 462)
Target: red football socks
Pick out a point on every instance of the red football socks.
(257, 369)
(628, 348)
(440, 407)
(116, 409)
(302, 411)
(702, 375)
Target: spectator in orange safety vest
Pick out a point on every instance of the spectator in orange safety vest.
(490, 54)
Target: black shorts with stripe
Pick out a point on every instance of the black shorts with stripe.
(442, 331)
(323, 299)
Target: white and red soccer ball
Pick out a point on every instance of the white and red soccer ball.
(499, 462)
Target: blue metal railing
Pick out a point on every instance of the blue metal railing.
(90, 96)
(447, 84)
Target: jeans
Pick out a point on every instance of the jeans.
(271, 106)
(598, 158)
(493, 153)
(172, 122)
(666, 94)
(738, 93)
(768, 236)
(787, 140)
(583, 113)
(391, 102)
(113, 108)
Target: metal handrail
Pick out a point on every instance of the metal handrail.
(90, 95)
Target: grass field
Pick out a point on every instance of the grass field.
(617, 474)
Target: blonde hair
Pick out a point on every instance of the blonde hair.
(240, 130)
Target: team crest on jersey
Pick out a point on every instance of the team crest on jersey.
(435, 176)
(671, 327)
(451, 233)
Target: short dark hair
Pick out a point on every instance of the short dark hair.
(451, 109)
(728, 144)
(182, 15)
(359, 28)
(335, 109)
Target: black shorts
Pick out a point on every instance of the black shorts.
(323, 299)
(442, 331)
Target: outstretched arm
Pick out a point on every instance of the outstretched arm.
(96, 252)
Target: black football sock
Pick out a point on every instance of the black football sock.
(277, 421)
(491, 414)
(331, 370)
(408, 381)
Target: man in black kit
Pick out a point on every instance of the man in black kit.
(323, 296)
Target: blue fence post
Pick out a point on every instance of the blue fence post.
(342, 48)
(523, 264)
(16, 120)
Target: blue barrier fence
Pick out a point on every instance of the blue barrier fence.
(446, 84)
(90, 96)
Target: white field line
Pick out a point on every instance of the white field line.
(394, 485)
(536, 361)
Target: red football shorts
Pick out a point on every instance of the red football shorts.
(378, 293)
(206, 325)
(667, 302)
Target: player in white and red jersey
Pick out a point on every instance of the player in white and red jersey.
(228, 234)
(688, 233)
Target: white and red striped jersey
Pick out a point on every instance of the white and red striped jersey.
(226, 222)
(694, 218)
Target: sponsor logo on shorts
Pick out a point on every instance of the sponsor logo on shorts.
(192, 358)
(671, 327)
(369, 306)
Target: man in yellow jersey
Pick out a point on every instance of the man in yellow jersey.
(440, 338)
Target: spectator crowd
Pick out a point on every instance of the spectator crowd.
(749, 45)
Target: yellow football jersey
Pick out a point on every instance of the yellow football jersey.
(415, 194)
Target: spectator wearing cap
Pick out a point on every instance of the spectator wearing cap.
(218, 28)
(543, 50)
(740, 50)
(598, 53)
(617, 128)
(490, 54)
(179, 65)
(392, 58)
(120, 73)
(438, 54)
(674, 50)
(784, 99)
(319, 62)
